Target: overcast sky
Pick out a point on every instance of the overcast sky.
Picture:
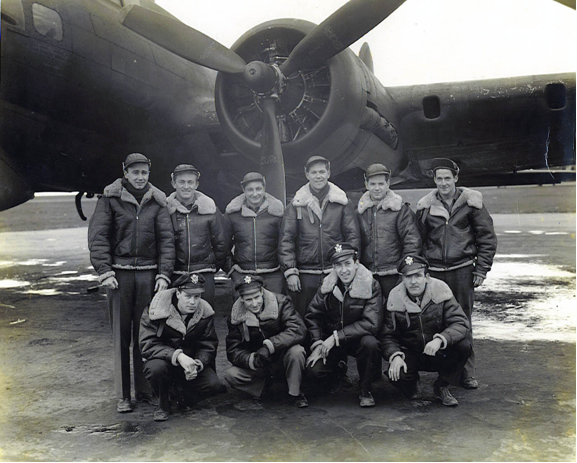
(424, 40)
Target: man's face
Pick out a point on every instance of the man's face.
(254, 193)
(446, 182)
(253, 301)
(416, 282)
(187, 302)
(137, 175)
(318, 175)
(346, 269)
(377, 186)
(185, 185)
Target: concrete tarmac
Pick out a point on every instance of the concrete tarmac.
(56, 390)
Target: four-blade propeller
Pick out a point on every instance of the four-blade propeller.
(340, 30)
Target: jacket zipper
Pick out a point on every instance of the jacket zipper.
(375, 263)
(254, 231)
(187, 244)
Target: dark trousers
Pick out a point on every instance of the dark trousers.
(461, 283)
(447, 362)
(387, 283)
(365, 350)
(310, 283)
(125, 307)
(161, 374)
(209, 287)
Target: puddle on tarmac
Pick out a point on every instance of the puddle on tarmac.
(122, 429)
(7, 284)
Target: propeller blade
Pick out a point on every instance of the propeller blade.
(340, 30)
(180, 39)
(271, 158)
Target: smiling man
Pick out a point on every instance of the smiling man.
(343, 319)
(319, 216)
(458, 241)
(425, 329)
(199, 230)
(253, 223)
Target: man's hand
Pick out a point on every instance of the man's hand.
(395, 368)
(432, 347)
(110, 283)
(294, 283)
(326, 346)
(478, 280)
(263, 354)
(186, 362)
(315, 356)
(161, 284)
(257, 361)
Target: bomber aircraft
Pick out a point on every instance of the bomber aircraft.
(85, 82)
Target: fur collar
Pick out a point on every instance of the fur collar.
(391, 201)
(305, 198)
(437, 291)
(361, 287)
(270, 204)
(161, 308)
(270, 311)
(116, 190)
(204, 204)
(473, 198)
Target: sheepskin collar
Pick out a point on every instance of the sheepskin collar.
(162, 308)
(436, 291)
(116, 190)
(361, 287)
(391, 201)
(472, 198)
(269, 311)
(203, 204)
(270, 204)
(305, 198)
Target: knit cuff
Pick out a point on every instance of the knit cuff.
(161, 276)
(291, 271)
(251, 362)
(269, 345)
(443, 340)
(397, 354)
(176, 353)
(106, 275)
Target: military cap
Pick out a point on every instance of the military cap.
(314, 159)
(411, 263)
(249, 284)
(444, 163)
(135, 158)
(341, 251)
(376, 169)
(252, 177)
(191, 283)
(185, 168)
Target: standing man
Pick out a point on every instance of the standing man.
(178, 342)
(319, 216)
(425, 329)
(264, 335)
(458, 241)
(199, 231)
(388, 228)
(131, 245)
(253, 223)
(343, 319)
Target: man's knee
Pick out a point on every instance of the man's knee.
(463, 348)
(296, 353)
(369, 343)
(156, 368)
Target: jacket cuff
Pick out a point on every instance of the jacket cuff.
(443, 340)
(161, 276)
(269, 345)
(315, 344)
(397, 354)
(175, 354)
(480, 272)
(106, 275)
(342, 337)
(251, 362)
(291, 271)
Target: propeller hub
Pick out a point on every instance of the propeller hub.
(262, 78)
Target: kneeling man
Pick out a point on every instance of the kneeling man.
(178, 343)
(264, 335)
(343, 319)
(425, 329)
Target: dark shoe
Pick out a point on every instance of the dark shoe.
(366, 399)
(124, 406)
(413, 393)
(160, 415)
(147, 398)
(300, 401)
(442, 393)
(469, 383)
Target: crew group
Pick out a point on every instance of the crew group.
(314, 283)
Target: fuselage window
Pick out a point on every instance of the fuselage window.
(46, 21)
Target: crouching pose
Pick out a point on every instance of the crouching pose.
(343, 319)
(264, 335)
(178, 343)
(425, 329)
